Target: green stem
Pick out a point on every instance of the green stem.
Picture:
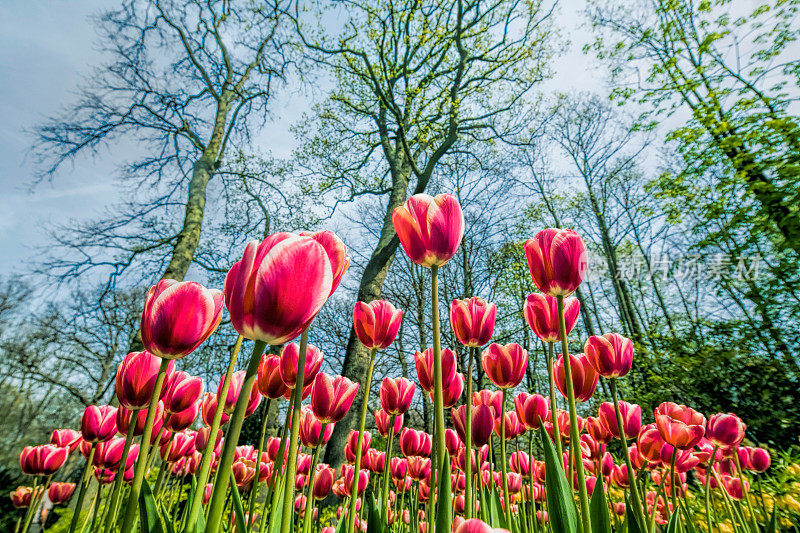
(672, 491)
(573, 417)
(272, 494)
(33, 507)
(132, 506)
(208, 453)
(95, 508)
(111, 515)
(468, 437)
(438, 396)
(217, 504)
(254, 490)
(351, 517)
(708, 488)
(635, 497)
(503, 461)
(745, 492)
(387, 474)
(553, 404)
(310, 491)
(73, 526)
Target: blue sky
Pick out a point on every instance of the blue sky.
(46, 49)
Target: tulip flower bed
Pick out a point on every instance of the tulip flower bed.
(500, 459)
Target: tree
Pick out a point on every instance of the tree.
(412, 79)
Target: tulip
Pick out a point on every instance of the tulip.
(331, 397)
(376, 323)
(42, 460)
(620, 477)
(348, 473)
(108, 454)
(178, 317)
(375, 461)
(183, 419)
(424, 363)
(396, 395)
(60, 492)
(354, 443)
(311, 429)
(735, 487)
(66, 437)
(474, 525)
(725, 430)
(541, 314)
(531, 409)
(430, 229)
(513, 427)
(289, 362)
(136, 379)
(493, 399)
(323, 482)
(123, 420)
(182, 445)
(209, 407)
(383, 423)
(98, 423)
(611, 355)
(557, 261)
(597, 430)
(415, 443)
(482, 423)
(649, 443)
(182, 392)
(505, 365)
(419, 468)
(270, 383)
(679, 425)
(21, 498)
(473, 321)
(235, 389)
(584, 377)
(631, 418)
(759, 459)
(452, 390)
(519, 462)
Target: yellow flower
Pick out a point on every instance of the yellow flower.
(794, 469)
(790, 503)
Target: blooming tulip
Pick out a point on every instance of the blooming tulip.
(66, 437)
(649, 443)
(597, 430)
(21, 498)
(415, 443)
(519, 462)
(376, 323)
(278, 287)
(178, 316)
(136, 379)
(473, 321)
(429, 228)
(352, 444)
(331, 397)
(290, 356)
(557, 261)
(348, 473)
(452, 390)
(493, 399)
(209, 407)
(181, 392)
(759, 459)
(531, 409)
(725, 430)
(182, 445)
(203, 436)
(60, 492)
(98, 423)
(183, 419)
(505, 365)
(611, 355)
(123, 420)
(396, 395)
(541, 314)
(631, 418)
(42, 460)
(482, 423)
(235, 389)
(584, 377)
(474, 525)
(311, 431)
(383, 421)
(424, 363)
(108, 454)
(270, 383)
(679, 425)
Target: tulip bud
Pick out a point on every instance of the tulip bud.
(584, 377)
(396, 395)
(505, 365)
(725, 430)
(424, 363)
(136, 379)
(98, 423)
(415, 443)
(60, 492)
(430, 229)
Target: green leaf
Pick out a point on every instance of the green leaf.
(148, 511)
(672, 526)
(561, 507)
(773, 522)
(444, 511)
(598, 509)
(630, 518)
(484, 507)
(275, 521)
(168, 525)
(238, 510)
(374, 522)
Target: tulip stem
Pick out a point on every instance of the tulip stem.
(553, 404)
(277, 470)
(208, 453)
(438, 398)
(217, 504)
(111, 516)
(96, 507)
(73, 526)
(254, 490)
(672, 496)
(636, 499)
(387, 469)
(361, 424)
(503, 461)
(745, 491)
(307, 519)
(468, 436)
(32, 506)
(708, 486)
(573, 418)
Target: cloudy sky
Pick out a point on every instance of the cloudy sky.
(47, 48)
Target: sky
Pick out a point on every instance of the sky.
(47, 48)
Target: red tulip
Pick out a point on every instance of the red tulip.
(311, 433)
(21, 498)
(733, 486)
(243, 472)
(66, 437)
(352, 444)
(452, 390)
(290, 357)
(43, 460)
(424, 363)
(203, 436)
(598, 431)
(557, 261)
(98, 423)
(532, 409)
(348, 472)
(60, 492)
(331, 397)
(123, 420)
(541, 314)
(209, 407)
(429, 228)
(270, 383)
(473, 525)
(376, 323)
(482, 423)
(183, 419)
(419, 468)
(685, 460)
(584, 377)
(725, 430)
(505, 365)
(178, 316)
(323, 481)
(472, 321)
(415, 443)
(620, 477)
(182, 445)
(611, 355)
(278, 287)
(493, 399)
(396, 395)
(514, 428)
(235, 389)
(679, 425)
(182, 392)
(383, 421)
(649, 443)
(108, 454)
(631, 418)
(136, 379)
(375, 461)
(759, 460)
(520, 463)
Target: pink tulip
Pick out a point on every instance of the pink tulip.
(557, 261)
(352, 443)
(759, 459)
(383, 421)
(649, 443)
(424, 363)
(541, 314)
(514, 428)
(725, 430)
(323, 481)
(679, 425)
(178, 316)
(505, 365)
(483, 418)
(532, 409)
(520, 463)
(209, 407)
(429, 228)
(396, 395)
(584, 377)
(620, 477)
(60, 492)
(348, 473)
(278, 287)
(123, 420)
(311, 433)
(108, 454)
(734, 488)
(452, 390)
(182, 392)
(66, 437)
(419, 468)
(493, 399)
(235, 389)
(43, 460)
(98, 423)
(203, 436)
(631, 418)
(136, 379)
(184, 419)
(331, 397)
(375, 461)
(290, 357)
(611, 355)
(376, 323)
(472, 321)
(474, 525)
(182, 445)
(415, 443)
(270, 383)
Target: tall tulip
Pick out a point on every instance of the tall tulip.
(679, 425)
(66, 437)
(98, 423)
(396, 395)
(541, 314)
(725, 430)
(332, 396)
(270, 383)
(505, 365)
(531, 409)
(178, 317)
(376, 323)
(611, 355)
(137, 376)
(290, 357)
(425, 363)
(60, 492)
(181, 392)
(584, 378)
